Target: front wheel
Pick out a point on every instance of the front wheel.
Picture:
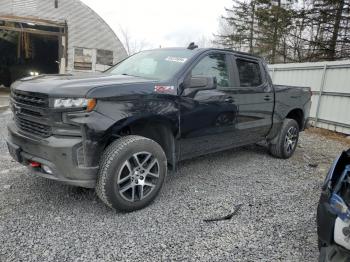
(333, 253)
(132, 172)
(287, 140)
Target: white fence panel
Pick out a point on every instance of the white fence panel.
(330, 84)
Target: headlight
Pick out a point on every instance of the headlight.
(339, 207)
(89, 104)
(34, 73)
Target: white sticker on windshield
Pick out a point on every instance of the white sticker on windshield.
(176, 59)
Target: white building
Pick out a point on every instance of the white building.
(54, 36)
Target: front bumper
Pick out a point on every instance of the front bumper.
(329, 229)
(63, 155)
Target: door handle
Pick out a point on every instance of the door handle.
(267, 98)
(229, 99)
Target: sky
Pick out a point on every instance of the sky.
(155, 23)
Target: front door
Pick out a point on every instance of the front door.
(208, 117)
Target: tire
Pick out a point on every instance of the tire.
(333, 254)
(283, 148)
(320, 244)
(131, 174)
(323, 255)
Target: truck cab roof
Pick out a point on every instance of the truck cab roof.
(202, 50)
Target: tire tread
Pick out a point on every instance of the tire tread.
(277, 149)
(111, 152)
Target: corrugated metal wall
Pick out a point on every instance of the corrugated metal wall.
(85, 28)
(330, 84)
(24, 6)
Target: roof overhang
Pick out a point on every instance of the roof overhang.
(33, 20)
(32, 25)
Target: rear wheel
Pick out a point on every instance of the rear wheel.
(287, 140)
(132, 172)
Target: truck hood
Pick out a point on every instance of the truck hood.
(87, 85)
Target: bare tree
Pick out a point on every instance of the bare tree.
(132, 45)
(204, 42)
(225, 38)
(126, 39)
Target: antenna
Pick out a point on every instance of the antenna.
(192, 46)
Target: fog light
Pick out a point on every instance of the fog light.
(47, 169)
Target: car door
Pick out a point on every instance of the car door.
(208, 116)
(254, 97)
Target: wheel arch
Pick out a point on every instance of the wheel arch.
(156, 127)
(298, 115)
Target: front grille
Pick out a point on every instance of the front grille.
(28, 98)
(30, 112)
(32, 127)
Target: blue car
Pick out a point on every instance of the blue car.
(333, 213)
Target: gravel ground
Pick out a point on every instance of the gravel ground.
(41, 220)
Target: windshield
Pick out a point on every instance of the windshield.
(153, 64)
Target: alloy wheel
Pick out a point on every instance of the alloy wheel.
(138, 176)
(291, 139)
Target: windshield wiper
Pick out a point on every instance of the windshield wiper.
(125, 74)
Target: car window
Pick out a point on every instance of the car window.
(213, 65)
(249, 73)
(153, 64)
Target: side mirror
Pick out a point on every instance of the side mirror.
(197, 83)
(201, 83)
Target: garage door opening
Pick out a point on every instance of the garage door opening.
(28, 49)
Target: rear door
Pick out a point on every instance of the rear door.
(254, 97)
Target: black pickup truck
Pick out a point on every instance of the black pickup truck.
(120, 130)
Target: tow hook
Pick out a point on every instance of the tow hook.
(34, 164)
